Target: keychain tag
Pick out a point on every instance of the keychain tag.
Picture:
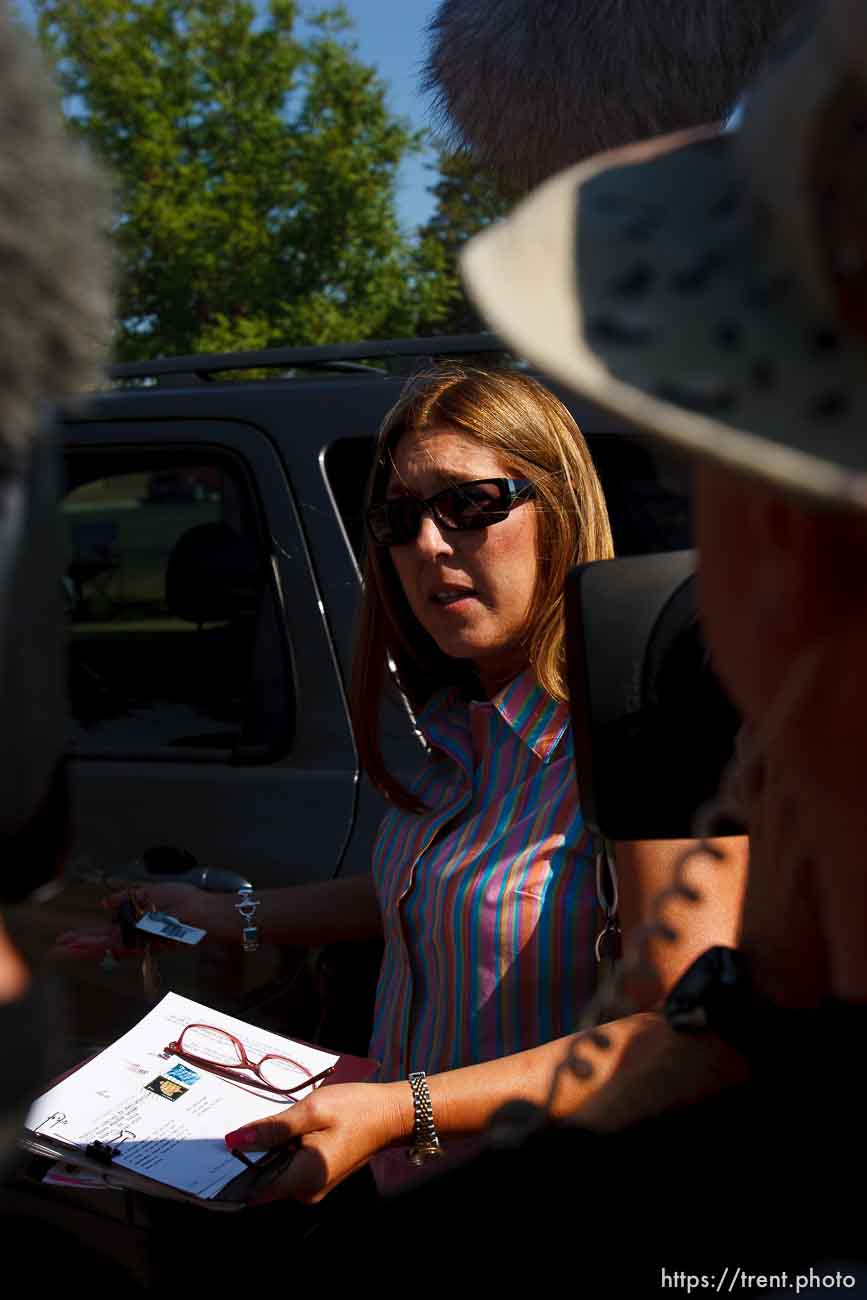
(169, 927)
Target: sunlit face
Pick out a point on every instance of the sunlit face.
(471, 591)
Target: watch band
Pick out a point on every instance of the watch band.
(715, 994)
(425, 1139)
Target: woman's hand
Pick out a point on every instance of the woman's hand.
(185, 902)
(336, 1130)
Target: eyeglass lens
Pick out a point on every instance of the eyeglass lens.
(212, 1045)
(465, 507)
(219, 1048)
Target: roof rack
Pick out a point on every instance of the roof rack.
(401, 356)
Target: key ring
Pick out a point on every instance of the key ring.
(247, 908)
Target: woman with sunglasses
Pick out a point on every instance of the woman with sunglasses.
(482, 497)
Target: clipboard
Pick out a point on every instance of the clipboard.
(98, 1158)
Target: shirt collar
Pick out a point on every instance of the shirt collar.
(532, 714)
(537, 719)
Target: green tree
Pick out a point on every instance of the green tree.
(255, 170)
(467, 200)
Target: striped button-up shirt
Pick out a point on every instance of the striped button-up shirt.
(487, 898)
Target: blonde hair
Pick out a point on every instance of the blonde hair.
(536, 438)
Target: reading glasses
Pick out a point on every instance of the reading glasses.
(220, 1052)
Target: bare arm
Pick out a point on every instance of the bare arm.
(644, 869)
(294, 915)
(645, 1069)
(305, 914)
(647, 1066)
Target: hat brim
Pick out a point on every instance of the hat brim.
(640, 280)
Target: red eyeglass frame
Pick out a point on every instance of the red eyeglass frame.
(230, 1071)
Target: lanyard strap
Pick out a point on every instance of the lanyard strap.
(609, 939)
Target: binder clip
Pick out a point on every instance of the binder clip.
(101, 1152)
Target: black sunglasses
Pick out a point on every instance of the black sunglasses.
(465, 507)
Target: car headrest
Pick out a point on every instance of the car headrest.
(214, 575)
(654, 729)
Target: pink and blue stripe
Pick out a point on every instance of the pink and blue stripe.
(488, 896)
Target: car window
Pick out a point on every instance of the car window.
(168, 592)
(647, 513)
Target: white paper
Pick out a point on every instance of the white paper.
(166, 1117)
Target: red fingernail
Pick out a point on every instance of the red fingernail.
(242, 1137)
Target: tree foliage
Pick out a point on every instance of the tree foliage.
(255, 168)
(467, 200)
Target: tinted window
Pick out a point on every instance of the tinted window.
(168, 593)
(646, 514)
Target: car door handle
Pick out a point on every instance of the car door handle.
(170, 862)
